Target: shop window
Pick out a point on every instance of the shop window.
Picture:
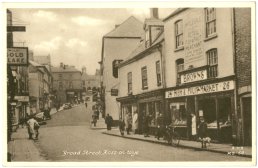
(210, 19)
(129, 82)
(158, 73)
(178, 114)
(144, 78)
(212, 58)
(60, 75)
(179, 34)
(179, 68)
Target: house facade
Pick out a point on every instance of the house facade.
(141, 79)
(116, 46)
(67, 85)
(200, 71)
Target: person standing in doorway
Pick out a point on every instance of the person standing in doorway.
(127, 123)
(135, 122)
(146, 120)
(193, 126)
(160, 126)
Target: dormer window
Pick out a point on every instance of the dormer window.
(147, 38)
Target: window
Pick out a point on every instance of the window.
(210, 19)
(115, 64)
(147, 38)
(144, 78)
(60, 86)
(179, 34)
(212, 61)
(129, 81)
(179, 68)
(70, 84)
(60, 75)
(158, 72)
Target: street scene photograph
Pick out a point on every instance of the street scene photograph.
(135, 85)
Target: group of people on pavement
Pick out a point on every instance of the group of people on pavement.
(130, 123)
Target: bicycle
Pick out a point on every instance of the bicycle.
(173, 138)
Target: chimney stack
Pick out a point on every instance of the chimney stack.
(154, 13)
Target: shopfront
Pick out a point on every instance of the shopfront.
(150, 104)
(212, 100)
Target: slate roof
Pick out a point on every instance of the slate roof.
(131, 27)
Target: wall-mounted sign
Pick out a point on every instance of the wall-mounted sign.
(202, 89)
(114, 92)
(22, 98)
(194, 76)
(16, 28)
(17, 56)
(193, 36)
(70, 93)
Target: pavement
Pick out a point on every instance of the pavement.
(229, 149)
(20, 148)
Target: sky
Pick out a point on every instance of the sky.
(72, 36)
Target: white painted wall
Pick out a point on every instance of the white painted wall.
(114, 48)
(135, 67)
(223, 42)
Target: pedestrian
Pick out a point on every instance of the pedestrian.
(86, 105)
(122, 126)
(202, 131)
(135, 122)
(33, 128)
(146, 125)
(193, 126)
(127, 123)
(94, 119)
(109, 121)
(160, 126)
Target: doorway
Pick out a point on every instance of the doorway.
(247, 114)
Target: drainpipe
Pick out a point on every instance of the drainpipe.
(235, 128)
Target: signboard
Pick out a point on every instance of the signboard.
(16, 28)
(193, 36)
(22, 98)
(194, 76)
(202, 89)
(70, 93)
(114, 92)
(17, 56)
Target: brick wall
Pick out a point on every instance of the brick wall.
(243, 46)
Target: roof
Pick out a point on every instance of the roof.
(34, 63)
(67, 69)
(131, 27)
(141, 49)
(178, 10)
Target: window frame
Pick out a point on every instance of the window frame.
(179, 34)
(144, 77)
(129, 82)
(158, 73)
(179, 68)
(212, 62)
(210, 18)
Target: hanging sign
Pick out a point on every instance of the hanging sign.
(17, 56)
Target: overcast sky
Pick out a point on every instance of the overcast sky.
(72, 36)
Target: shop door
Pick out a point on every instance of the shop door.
(247, 113)
(142, 112)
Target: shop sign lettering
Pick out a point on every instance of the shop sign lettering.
(194, 76)
(22, 98)
(203, 89)
(17, 56)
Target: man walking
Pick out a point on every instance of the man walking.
(33, 128)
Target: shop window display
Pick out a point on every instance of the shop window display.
(178, 114)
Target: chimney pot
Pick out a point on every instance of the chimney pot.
(154, 13)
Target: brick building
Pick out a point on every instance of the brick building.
(243, 68)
